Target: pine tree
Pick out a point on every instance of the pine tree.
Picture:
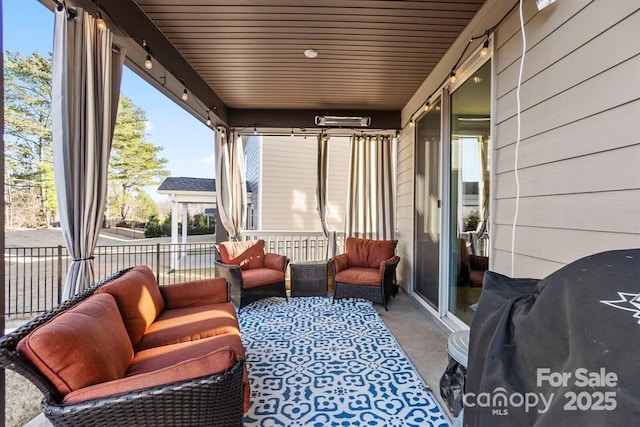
(28, 152)
(134, 163)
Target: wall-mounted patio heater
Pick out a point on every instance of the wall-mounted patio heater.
(343, 121)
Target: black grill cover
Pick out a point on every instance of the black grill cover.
(583, 322)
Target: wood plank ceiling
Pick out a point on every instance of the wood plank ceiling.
(373, 55)
(249, 54)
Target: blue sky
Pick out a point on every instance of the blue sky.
(188, 144)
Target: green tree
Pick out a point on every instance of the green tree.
(134, 162)
(28, 151)
(144, 207)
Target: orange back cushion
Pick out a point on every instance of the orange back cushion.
(84, 346)
(138, 298)
(367, 253)
(248, 254)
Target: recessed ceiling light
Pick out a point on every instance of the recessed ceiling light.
(311, 53)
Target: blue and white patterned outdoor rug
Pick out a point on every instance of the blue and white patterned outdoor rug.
(314, 363)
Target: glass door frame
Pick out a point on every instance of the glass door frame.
(443, 94)
(445, 188)
(467, 69)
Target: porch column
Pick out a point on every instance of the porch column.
(174, 234)
(185, 226)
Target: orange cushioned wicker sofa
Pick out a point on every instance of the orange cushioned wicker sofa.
(128, 351)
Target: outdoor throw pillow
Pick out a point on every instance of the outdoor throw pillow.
(69, 352)
(139, 300)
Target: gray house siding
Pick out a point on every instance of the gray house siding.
(579, 151)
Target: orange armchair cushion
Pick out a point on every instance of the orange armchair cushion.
(275, 261)
(367, 253)
(341, 262)
(138, 298)
(260, 277)
(247, 254)
(360, 276)
(84, 346)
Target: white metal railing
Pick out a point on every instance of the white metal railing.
(297, 245)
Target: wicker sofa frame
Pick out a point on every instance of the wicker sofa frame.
(214, 400)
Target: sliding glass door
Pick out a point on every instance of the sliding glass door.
(468, 196)
(428, 205)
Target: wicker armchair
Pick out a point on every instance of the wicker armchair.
(366, 270)
(251, 273)
(211, 400)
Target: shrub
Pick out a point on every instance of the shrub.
(196, 226)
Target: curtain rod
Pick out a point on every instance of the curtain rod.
(315, 132)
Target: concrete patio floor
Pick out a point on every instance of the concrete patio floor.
(422, 339)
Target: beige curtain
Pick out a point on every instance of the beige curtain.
(231, 185)
(481, 245)
(371, 195)
(321, 193)
(85, 91)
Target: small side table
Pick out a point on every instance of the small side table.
(309, 278)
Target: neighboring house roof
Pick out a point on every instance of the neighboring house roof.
(187, 184)
(191, 190)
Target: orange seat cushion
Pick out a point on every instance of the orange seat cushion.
(248, 254)
(260, 277)
(360, 276)
(368, 253)
(189, 324)
(86, 345)
(158, 358)
(192, 367)
(138, 298)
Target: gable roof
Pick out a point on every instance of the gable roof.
(179, 183)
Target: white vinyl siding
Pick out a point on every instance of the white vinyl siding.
(281, 173)
(289, 184)
(252, 165)
(580, 152)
